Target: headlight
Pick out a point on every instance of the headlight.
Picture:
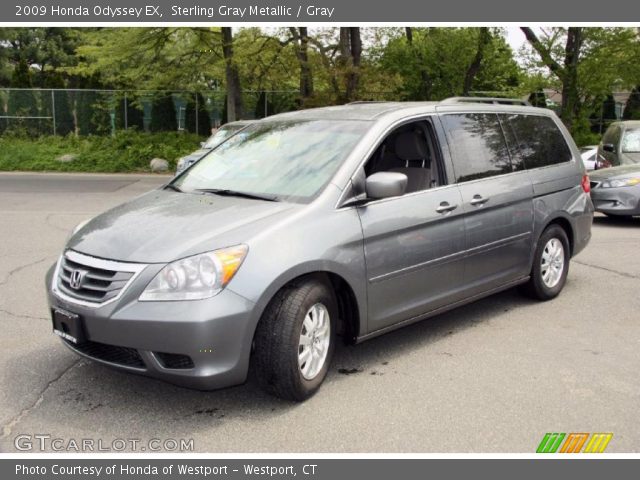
(197, 277)
(623, 182)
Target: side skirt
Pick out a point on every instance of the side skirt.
(440, 310)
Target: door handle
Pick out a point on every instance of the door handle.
(445, 207)
(478, 200)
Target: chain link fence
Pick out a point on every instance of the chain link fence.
(35, 112)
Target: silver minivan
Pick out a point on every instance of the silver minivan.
(340, 222)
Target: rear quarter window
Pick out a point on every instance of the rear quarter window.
(540, 142)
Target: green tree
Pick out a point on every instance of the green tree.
(63, 113)
(632, 107)
(586, 63)
(22, 103)
(538, 99)
(163, 114)
(204, 121)
(134, 115)
(435, 63)
(48, 50)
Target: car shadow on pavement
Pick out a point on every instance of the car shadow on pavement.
(89, 394)
(613, 221)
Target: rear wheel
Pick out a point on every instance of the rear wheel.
(550, 265)
(295, 340)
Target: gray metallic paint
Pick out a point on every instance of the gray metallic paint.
(623, 201)
(402, 260)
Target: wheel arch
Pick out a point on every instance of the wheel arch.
(566, 225)
(351, 303)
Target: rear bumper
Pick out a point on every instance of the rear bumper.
(624, 201)
(208, 342)
(582, 220)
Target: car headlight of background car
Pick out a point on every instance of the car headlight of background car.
(197, 277)
(620, 182)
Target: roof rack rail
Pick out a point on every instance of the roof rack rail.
(489, 100)
(358, 102)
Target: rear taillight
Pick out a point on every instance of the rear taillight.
(586, 185)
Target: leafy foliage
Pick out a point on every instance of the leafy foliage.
(632, 108)
(127, 151)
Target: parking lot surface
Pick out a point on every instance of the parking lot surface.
(493, 376)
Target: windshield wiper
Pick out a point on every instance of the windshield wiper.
(173, 187)
(235, 193)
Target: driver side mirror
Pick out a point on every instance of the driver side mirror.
(609, 147)
(202, 144)
(385, 185)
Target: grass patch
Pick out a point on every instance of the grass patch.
(127, 151)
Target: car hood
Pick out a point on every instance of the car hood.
(630, 158)
(162, 226)
(615, 172)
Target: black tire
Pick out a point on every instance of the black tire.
(536, 287)
(277, 339)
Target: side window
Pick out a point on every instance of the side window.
(477, 145)
(541, 142)
(411, 150)
(517, 161)
(631, 141)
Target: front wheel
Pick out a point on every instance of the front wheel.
(550, 264)
(295, 339)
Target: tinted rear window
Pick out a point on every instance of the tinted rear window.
(540, 142)
(478, 146)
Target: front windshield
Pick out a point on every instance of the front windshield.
(631, 141)
(286, 160)
(221, 135)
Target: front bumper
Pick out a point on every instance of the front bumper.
(624, 201)
(146, 338)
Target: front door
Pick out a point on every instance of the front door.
(413, 244)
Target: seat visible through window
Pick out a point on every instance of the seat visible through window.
(412, 149)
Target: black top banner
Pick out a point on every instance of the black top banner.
(339, 11)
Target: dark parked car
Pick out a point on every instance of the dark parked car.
(616, 191)
(224, 132)
(345, 221)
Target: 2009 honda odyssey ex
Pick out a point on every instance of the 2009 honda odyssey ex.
(343, 221)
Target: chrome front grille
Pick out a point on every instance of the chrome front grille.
(93, 281)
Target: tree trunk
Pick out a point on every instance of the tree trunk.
(301, 39)
(350, 57)
(567, 73)
(570, 95)
(234, 94)
(409, 33)
(484, 36)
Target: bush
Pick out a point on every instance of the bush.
(127, 151)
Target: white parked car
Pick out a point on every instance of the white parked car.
(590, 157)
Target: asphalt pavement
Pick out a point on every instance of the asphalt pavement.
(493, 376)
